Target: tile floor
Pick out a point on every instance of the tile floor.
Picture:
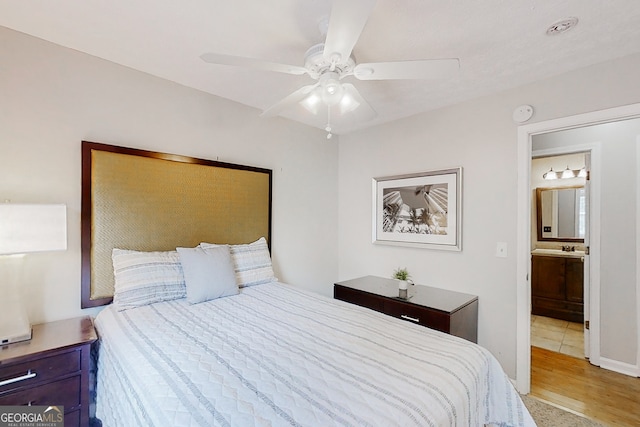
(557, 335)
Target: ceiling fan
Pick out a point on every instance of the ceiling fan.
(330, 62)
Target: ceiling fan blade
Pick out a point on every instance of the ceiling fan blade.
(420, 69)
(288, 101)
(353, 101)
(239, 61)
(347, 20)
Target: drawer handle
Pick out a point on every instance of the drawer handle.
(27, 376)
(413, 319)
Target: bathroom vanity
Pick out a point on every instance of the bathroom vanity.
(557, 275)
(557, 284)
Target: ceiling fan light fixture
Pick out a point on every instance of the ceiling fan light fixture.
(331, 60)
(332, 90)
(348, 104)
(312, 102)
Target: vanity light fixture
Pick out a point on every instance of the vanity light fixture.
(565, 174)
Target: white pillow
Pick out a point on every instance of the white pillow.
(208, 275)
(252, 262)
(143, 278)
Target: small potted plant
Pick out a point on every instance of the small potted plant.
(402, 275)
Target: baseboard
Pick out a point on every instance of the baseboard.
(620, 367)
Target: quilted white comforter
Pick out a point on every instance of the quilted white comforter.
(274, 355)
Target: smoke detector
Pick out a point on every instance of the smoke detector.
(562, 26)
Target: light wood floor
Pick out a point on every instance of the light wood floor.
(573, 383)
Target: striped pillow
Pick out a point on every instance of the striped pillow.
(251, 262)
(143, 278)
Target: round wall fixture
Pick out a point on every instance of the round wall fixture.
(522, 113)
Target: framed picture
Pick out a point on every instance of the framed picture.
(421, 210)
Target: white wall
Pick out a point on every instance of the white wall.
(52, 98)
(618, 269)
(481, 137)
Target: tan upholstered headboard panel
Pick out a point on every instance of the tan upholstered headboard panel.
(142, 200)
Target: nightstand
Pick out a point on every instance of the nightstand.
(50, 369)
(455, 313)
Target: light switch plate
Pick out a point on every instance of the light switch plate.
(501, 250)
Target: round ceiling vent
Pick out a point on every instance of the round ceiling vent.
(562, 26)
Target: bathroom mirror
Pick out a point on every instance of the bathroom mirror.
(561, 214)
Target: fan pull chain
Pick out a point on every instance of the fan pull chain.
(328, 128)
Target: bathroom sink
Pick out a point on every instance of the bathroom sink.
(558, 253)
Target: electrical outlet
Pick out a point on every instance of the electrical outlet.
(501, 250)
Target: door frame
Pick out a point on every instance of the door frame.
(523, 254)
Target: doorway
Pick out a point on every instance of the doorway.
(559, 242)
(628, 354)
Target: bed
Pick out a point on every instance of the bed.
(203, 334)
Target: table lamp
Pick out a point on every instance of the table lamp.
(24, 228)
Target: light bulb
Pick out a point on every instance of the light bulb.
(332, 93)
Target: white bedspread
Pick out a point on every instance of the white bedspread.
(274, 355)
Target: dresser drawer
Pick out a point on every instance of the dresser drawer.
(45, 369)
(363, 299)
(72, 419)
(63, 393)
(446, 311)
(417, 314)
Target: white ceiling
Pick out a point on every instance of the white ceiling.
(500, 43)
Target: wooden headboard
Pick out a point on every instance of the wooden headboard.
(149, 201)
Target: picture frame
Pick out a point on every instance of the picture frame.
(422, 210)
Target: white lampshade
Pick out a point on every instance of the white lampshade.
(32, 228)
(24, 228)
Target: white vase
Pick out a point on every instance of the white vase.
(402, 289)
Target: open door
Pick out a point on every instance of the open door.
(585, 209)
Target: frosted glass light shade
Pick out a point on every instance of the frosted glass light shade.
(32, 228)
(550, 175)
(568, 173)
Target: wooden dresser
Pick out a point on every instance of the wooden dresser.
(452, 312)
(50, 369)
